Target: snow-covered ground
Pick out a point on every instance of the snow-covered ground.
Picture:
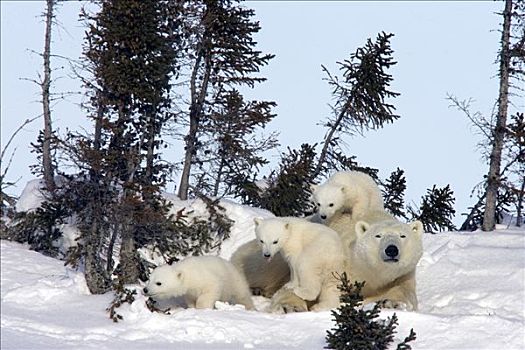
(471, 289)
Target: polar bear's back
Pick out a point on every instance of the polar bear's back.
(204, 272)
(362, 193)
(316, 241)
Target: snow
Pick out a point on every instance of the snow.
(471, 289)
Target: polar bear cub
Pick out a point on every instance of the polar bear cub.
(314, 254)
(351, 192)
(201, 280)
(384, 255)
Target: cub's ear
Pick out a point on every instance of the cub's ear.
(313, 188)
(416, 227)
(257, 221)
(343, 189)
(287, 226)
(361, 227)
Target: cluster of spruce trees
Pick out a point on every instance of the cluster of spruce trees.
(154, 71)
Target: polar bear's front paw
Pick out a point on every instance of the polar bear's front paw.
(394, 304)
(305, 293)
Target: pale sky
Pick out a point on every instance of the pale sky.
(441, 47)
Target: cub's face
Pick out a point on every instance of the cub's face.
(328, 199)
(270, 234)
(390, 244)
(165, 282)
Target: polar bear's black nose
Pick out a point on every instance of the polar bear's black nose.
(392, 251)
(145, 290)
(323, 217)
(267, 255)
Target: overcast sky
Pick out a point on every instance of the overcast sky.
(447, 47)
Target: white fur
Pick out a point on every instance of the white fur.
(351, 192)
(314, 254)
(201, 280)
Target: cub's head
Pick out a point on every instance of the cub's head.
(328, 198)
(390, 244)
(270, 234)
(165, 282)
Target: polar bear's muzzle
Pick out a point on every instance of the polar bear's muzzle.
(390, 251)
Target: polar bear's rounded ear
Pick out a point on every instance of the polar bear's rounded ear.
(313, 188)
(257, 221)
(343, 189)
(287, 226)
(416, 227)
(180, 275)
(361, 227)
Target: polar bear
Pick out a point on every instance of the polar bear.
(201, 280)
(314, 254)
(264, 277)
(350, 192)
(384, 254)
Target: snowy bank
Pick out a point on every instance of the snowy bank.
(471, 290)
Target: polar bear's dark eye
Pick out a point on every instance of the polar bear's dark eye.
(261, 241)
(403, 236)
(378, 236)
(318, 204)
(158, 284)
(331, 204)
(275, 242)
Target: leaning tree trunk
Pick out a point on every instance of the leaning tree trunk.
(493, 178)
(47, 162)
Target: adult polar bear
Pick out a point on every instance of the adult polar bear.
(312, 275)
(347, 192)
(201, 280)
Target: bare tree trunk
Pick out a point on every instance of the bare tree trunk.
(197, 103)
(97, 279)
(493, 178)
(47, 162)
(190, 149)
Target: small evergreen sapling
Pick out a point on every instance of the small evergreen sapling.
(436, 210)
(393, 193)
(357, 328)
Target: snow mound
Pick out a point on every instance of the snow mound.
(471, 288)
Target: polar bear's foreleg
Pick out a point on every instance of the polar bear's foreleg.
(400, 296)
(309, 280)
(206, 300)
(246, 300)
(190, 301)
(328, 299)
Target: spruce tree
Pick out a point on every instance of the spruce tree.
(360, 97)
(287, 191)
(394, 192)
(516, 155)
(359, 328)
(436, 210)
(129, 50)
(221, 58)
(232, 152)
